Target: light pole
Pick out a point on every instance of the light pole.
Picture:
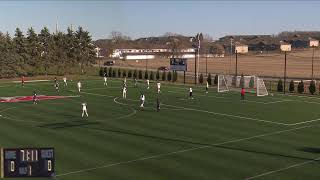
(286, 48)
(231, 40)
(206, 62)
(236, 63)
(313, 43)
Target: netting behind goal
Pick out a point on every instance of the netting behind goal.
(222, 84)
(261, 88)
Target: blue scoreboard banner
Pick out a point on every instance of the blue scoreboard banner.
(178, 64)
(27, 162)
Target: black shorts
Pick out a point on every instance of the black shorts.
(190, 94)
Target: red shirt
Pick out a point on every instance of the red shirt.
(22, 79)
(243, 91)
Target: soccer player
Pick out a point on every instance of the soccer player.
(190, 93)
(57, 86)
(124, 93)
(55, 80)
(22, 81)
(142, 98)
(124, 82)
(148, 83)
(207, 87)
(65, 81)
(34, 98)
(79, 86)
(84, 109)
(158, 86)
(243, 92)
(158, 104)
(105, 80)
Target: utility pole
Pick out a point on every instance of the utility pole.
(285, 72)
(206, 62)
(312, 60)
(236, 63)
(231, 40)
(195, 66)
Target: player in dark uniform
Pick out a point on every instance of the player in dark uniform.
(55, 80)
(158, 104)
(34, 98)
(57, 86)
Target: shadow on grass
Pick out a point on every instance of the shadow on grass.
(201, 144)
(310, 150)
(68, 124)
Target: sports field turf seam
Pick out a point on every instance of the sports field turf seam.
(182, 151)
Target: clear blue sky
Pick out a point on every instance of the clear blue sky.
(154, 18)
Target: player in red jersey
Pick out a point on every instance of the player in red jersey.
(243, 92)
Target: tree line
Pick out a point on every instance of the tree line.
(45, 53)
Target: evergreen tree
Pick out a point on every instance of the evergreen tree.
(101, 72)
(158, 75)
(146, 75)
(105, 71)
(110, 72)
(119, 73)
(209, 79)
(19, 43)
(301, 87)
(201, 79)
(140, 74)
(312, 87)
(130, 73)
(46, 49)
(280, 86)
(151, 75)
(169, 78)
(163, 76)
(251, 83)
(242, 81)
(114, 74)
(135, 73)
(291, 86)
(215, 81)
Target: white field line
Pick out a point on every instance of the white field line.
(220, 97)
(180, 151)
(228, 115)
(283, 169)
(273, 102)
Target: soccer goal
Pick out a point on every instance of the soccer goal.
(222, 84)
(261, 88)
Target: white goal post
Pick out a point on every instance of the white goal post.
(261, 88)
(222, 84)
(227, 83)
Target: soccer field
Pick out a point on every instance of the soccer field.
(213, 136)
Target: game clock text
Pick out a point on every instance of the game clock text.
(27, 162)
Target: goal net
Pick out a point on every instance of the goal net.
(252, 84)
(261, 88)
(222, 84)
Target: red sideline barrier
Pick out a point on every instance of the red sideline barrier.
(29, 98)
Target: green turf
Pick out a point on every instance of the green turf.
(213, 136)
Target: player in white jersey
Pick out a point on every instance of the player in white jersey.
(158, 86)
(65, 81)
(148, 83)
(190, 93)
(105, 80)
(84, 109)
(207, 87)
(142, 98)
(135, 82)
(124, 93)
(79, 86)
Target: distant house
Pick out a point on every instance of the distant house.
(139, 54)
(98, 52)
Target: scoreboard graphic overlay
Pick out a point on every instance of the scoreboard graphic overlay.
(27, 162)
(178, 64)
